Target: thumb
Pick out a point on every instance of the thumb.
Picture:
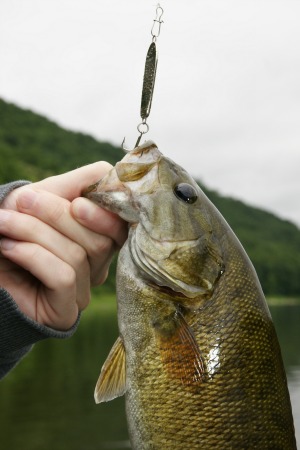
(71, 184)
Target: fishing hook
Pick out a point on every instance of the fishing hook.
(127, 150)
(142, 128)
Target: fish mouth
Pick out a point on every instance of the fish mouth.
(106, 191)
(115, 193)
(108, 184)
(90, 190)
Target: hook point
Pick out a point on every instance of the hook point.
(126, 150)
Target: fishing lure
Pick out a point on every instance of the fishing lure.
(149, 77)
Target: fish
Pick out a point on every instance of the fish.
(197, 355)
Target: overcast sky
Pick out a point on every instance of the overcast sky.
(227, 99)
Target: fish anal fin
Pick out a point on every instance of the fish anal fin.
(180, 353)
(112, 379)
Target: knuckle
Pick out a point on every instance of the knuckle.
(85, 301)
(79, 256)
(101, 278)
(101, 246)
(67, 277)
(104, 277)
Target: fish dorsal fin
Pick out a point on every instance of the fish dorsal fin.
(112, 379)
(180, 352)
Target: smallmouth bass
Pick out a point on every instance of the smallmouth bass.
(197, 357)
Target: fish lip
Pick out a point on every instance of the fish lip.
(103, 200)
(90, 190)
(102, 187)
(144, 148)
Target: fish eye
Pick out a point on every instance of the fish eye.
(186, 193)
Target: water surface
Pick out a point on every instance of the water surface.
(46, 403)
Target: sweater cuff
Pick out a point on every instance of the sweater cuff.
(19, 332)
(5, 189)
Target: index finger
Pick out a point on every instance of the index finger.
(99, 220)
(71, 184)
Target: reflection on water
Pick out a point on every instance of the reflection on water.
(287, 323)
(47, 401)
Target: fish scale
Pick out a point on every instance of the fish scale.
(197, 358)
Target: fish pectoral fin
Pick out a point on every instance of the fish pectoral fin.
(112, 379)
(180, 352)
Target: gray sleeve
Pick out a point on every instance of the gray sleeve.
(18, 332)
(5, 189)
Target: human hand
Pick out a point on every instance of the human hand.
(55, 245)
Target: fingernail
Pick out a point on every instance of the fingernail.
(81, 209)
(26, 198)
(7, 244)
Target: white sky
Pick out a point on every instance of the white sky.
(227, 98)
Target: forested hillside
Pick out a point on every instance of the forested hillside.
(272, 244)
(32, 147)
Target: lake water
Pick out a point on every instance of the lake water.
(46, 403)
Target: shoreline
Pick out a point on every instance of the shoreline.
(283, 301)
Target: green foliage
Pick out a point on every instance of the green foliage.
(32, 147)
(272, 244)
